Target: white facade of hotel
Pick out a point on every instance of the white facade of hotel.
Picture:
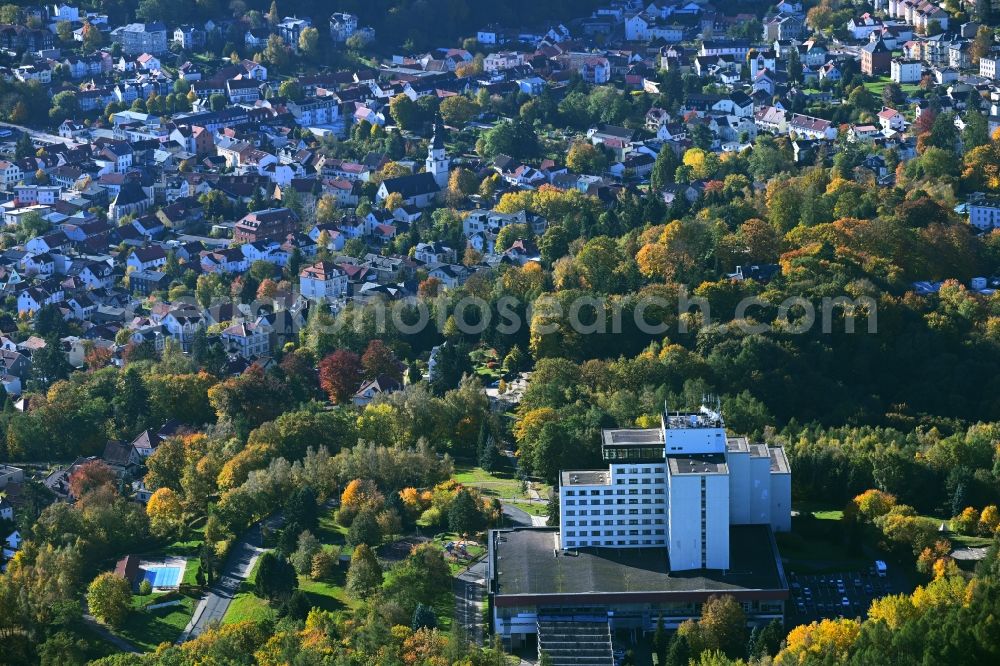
(703, 482)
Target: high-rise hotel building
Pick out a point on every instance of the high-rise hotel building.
(679, 486)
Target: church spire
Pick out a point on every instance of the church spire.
(437, 163)
(438, 139)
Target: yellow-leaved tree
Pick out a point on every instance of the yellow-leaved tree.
(826, 641)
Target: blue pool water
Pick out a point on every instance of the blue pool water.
(162, 576)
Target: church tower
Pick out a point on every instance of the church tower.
(437, 159)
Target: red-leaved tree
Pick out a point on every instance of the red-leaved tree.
(379, 360)
(90, 476)
(340, 375)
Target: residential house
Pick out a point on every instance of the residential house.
(891, 120)
(876, 58)
(146, 258)
(246, 340)
(145, 282)
(451, 276)
(433, 253)
(808, 126)
(988, 66)
(783, 26)
(905, 71)
(323, 281)
(269, 224)
(182, 325)
(863, 26)
(374, 387)
(984, 211)
(243, 91)
(123, 457)
(189, 37)
(147, 62)
(290, 28)
(137, 38)
(10, 174)
(342, 26)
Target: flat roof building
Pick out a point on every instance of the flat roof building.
(681, 512)
(533, 583)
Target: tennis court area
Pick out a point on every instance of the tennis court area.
(163, 576)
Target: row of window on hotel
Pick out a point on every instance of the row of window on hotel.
(620, 500)
(620, 482)
(609, 533)
(631, 521)
(620, 512)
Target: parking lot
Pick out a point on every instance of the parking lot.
(845, 593)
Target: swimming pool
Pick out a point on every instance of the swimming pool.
(162, 576)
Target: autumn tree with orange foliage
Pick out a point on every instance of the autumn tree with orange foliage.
(929, 558)
(359, 492)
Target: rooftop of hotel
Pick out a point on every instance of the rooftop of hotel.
(704, 418)
(737, 445)
(632, 437)
(588, 477)
(528, 561)
(702, 463)
(779, 463)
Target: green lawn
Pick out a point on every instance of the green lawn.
(191, 571)
(148, 628)
(496, 484)
(533, 508)
(481, 357)
(332, 534)
(959, 540)
(444, 608)
(246, 606)
(881, 82)
(819, 510)
(330, 595)
(489, 374)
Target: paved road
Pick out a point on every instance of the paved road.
(469, 588)
(516, 515)
(521, 517)
(213, 606)
(41, 136)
